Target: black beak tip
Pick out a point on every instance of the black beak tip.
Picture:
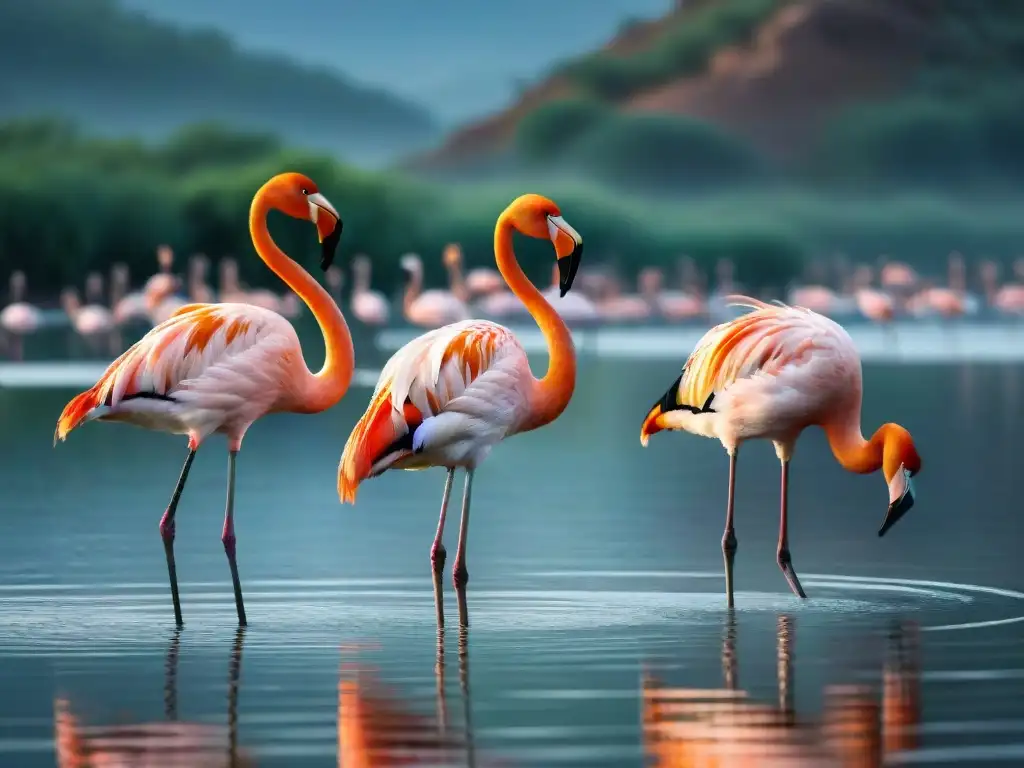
(329, 247)
(567, 268)
(896, 511)
(563, 290)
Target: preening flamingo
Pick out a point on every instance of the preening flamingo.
(769, 374)
(429, 309)
(19, 317)
(368, 306)
(219, 367)
(447, 398)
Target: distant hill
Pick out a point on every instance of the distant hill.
(120, 72)
(786, 77)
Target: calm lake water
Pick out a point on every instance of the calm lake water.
(595, 581)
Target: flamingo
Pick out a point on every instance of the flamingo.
(198, 289)
(625, 307)
(815, 297)
(429, 309)
(503, 304)
(877, 306)
(769, 374)
(448, 397)
(671, 305)
(483, 281)
(368, 306)
(219, 367)
(128, 306)
(92, 321)
(19, 317)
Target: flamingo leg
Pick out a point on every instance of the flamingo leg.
(228, 538)
(729, 543)
(438, 554)
(167, 533)
(784, 559)
(459, 574)
(437, 551)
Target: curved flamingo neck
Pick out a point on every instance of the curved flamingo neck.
(412, 290)
(551, 394)
(885, 449)
(456, 283)
(326, 387)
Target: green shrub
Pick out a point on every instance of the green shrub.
(652, 152)
(546, 133)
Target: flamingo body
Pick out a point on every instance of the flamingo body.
(93, 319)
(209, 368)
(20, 317)
(436, 307)
(444, 399)
(370, 307)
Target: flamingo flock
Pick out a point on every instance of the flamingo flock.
(448, 397)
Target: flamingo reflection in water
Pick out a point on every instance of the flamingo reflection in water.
(378, 729)
(722, 727)
(167, 744)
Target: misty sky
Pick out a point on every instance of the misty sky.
(460, 58)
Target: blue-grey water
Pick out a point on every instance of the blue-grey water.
(595, 565)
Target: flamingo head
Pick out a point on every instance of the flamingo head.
(661, 415)
(297, 196)
(452, 256)
(537, 216)
(411, 264)
(899, 464)
(164, 256)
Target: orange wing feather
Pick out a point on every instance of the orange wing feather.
(145, 367)
(424, 376)
(737, 348)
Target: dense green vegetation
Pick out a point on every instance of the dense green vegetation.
(117, 71)
(648, 153)
(71, 203)
(685, 49)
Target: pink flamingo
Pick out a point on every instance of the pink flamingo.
(433, 308)
(369, 306)
(501, 304)
(447, 398)
(199, 289)
(483, 281)
(816, 298)
(19, 318)
(128, 307)
(220, 367)
(625, 307)
(1010, 300)
(93, 322)
(672, 305)
(769, 374)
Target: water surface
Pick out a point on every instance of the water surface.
(595, 583)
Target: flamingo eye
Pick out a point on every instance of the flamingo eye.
(304, 191)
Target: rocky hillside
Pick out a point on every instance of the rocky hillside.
(771, 72)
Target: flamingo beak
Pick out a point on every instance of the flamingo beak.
(901, 499)
(328, 227)
(569, 250)
(650, 425)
